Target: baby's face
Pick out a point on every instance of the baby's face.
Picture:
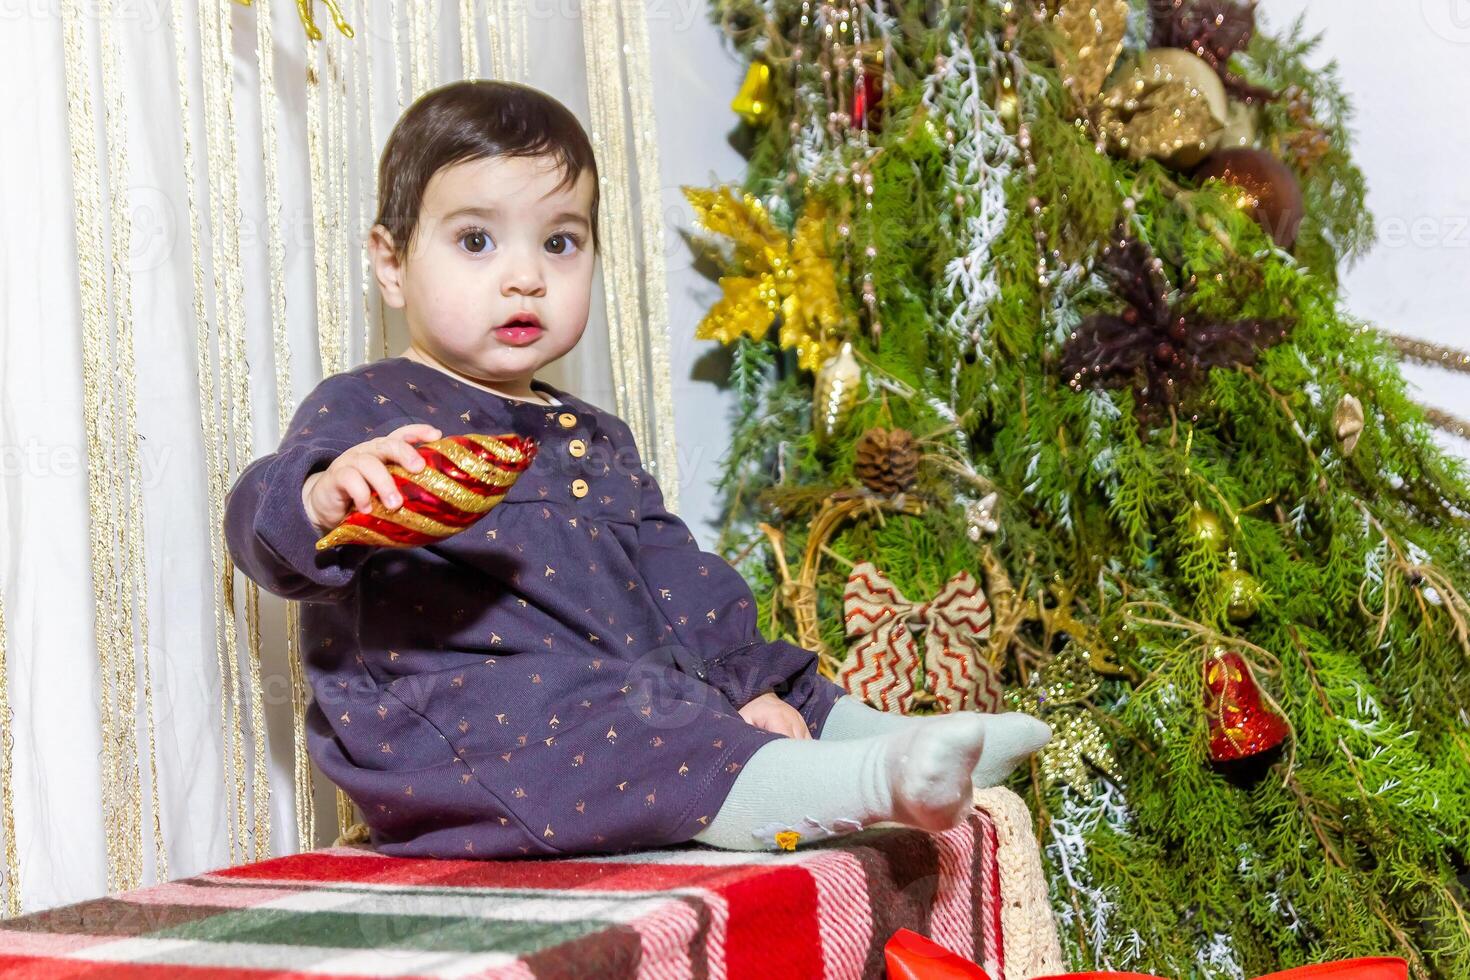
(495, 239)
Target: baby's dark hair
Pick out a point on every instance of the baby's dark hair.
(471, 120)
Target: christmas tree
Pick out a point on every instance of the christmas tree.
(1043, 296)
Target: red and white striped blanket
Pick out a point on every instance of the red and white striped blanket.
(822, 911)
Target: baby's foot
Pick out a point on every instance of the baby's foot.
(1009, 738)
(929, 767)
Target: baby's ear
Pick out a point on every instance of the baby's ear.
(387, 266)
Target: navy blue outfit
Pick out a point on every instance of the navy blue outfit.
(560, 677)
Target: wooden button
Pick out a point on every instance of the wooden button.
(579, 488)
(567, 420)
(577, 448)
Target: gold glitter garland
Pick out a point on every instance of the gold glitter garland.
(637, 322)
(328, 317)
(663, 461)
(315, 137)
(113, 474)
(7, 777)
(420, 50)
(135, 552)
(214, 447)
(265, 59)
(339, 165)
(604, 96)
(1436, 356)
(232, 393)
(1452, 424)
(367, 168)
(469, 55)
(1431, 355)
(395, 33)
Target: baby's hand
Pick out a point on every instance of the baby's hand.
(769, 713)
(357, 473)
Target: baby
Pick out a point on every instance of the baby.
(572, 673)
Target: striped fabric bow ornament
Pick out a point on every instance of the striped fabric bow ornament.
(464, 477)
(882, 664)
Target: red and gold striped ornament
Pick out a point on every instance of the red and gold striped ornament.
(463, 478)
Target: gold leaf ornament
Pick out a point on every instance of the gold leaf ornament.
(790, 278)
(1170, 105)
(1091, 39)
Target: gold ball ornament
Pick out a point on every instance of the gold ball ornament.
(1241, 124)
(1176, 64)
(1205, 528)
(1242, 594)
(1169, 106)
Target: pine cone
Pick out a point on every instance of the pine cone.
(887, 460)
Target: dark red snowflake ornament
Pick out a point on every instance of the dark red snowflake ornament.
(1214, 30)
(1154, 344)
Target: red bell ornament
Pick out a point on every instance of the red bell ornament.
(1242, 724)
(464, 477)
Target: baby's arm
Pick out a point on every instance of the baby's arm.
(284, 501)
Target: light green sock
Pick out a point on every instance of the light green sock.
(818, 789)
(1009, 737)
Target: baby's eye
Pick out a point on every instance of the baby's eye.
(474, 241)
(563, 243)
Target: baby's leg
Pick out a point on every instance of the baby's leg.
(916, 776)
(1009, 737)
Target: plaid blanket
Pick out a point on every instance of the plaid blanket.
(683, 912)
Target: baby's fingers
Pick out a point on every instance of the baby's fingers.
(351, 484)
(415, 432)
(378, 477)
(398, 450)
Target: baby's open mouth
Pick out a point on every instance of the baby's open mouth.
(520, 329)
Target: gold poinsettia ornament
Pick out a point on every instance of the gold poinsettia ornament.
(791, 278)
(1169, 104)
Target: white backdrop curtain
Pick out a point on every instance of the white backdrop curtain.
(126, 668)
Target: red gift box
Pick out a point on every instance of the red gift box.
(911, 956)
